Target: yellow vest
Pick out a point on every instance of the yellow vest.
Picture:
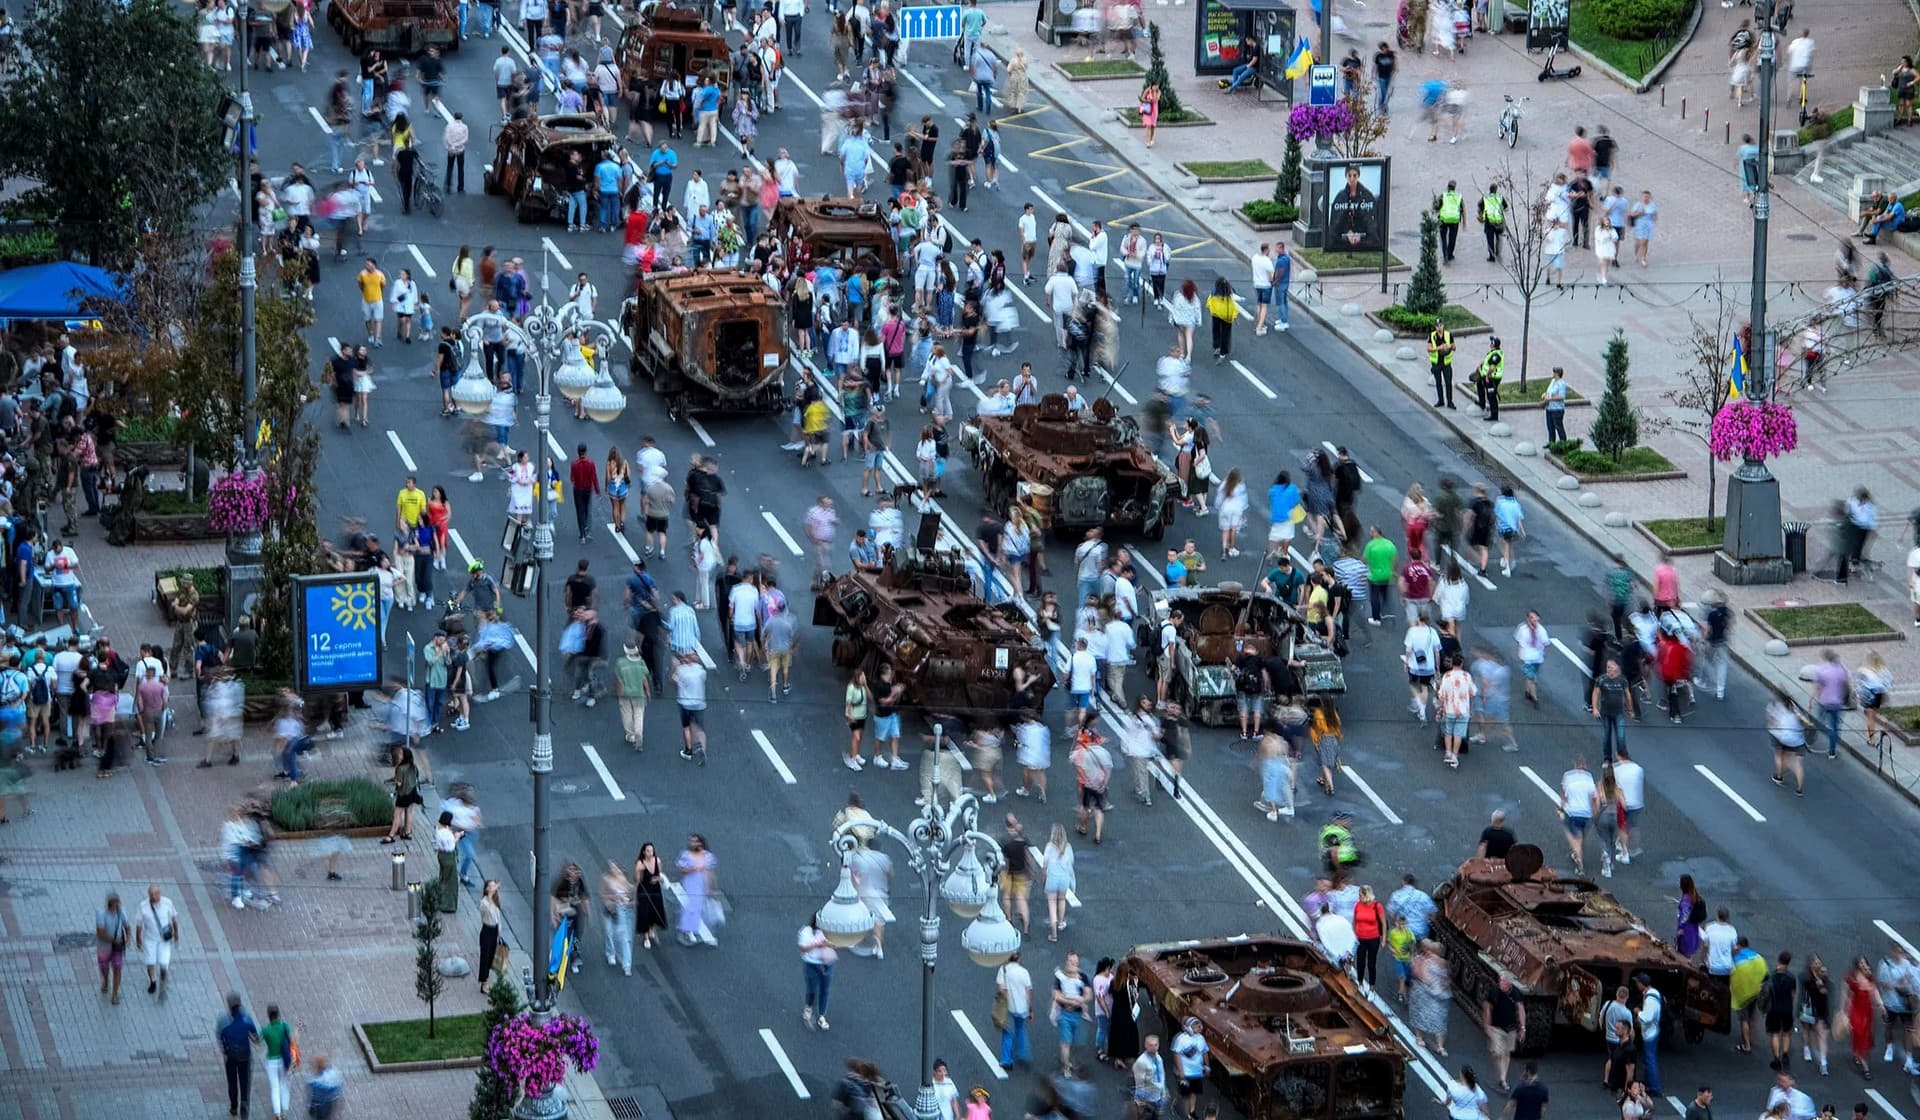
(1450, 204)
(1493, 210)
(1440, 337)
(1490, 365)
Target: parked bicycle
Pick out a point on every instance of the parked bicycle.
(1510, 120)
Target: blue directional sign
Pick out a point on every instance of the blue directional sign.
(930, 21)
(336, 623)
(1320, 85)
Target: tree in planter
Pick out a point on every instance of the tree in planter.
(1286, 189)
(428, 984)
(1523, 248)
(1157, 75)
(1706, 384)
(1616, 424)
(492, 1093)
(1427, 291)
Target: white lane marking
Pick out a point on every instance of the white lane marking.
(406, 460)
(620, 539)
(333, 344)
(786, 1064)
(420, 259)
(1116, 386)
(1059, 209)
(320, 120)
(705, 935)
(1894, 936)
(1571, 656)
(1140, 562)
(1723, 787)
(374, 193)
(700, 430)
(460, 544)
(1335, 452)
(559, 453)
(600, 768)
(938, 103)
(1020, 294)
(1468, 568)
(1254, 381)
(1536, 779)
(790, 76)
(706, 658)
(1378, 802)
(526, 650)
(1875, 1096)
(1037, 856)
(780, 531)
(547, 243)
(773, 756)
(1679, 1105)
(979, 1044)
(440, 107)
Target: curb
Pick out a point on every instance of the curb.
(378, 1066)
(1753, 616)
(1659, 68)
(1754, 660)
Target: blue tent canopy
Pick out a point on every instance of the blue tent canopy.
(55, 291)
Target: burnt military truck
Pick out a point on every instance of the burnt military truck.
(1290, 1035)
(669, 41)
(919, 613)
(1567, 944)
(530, 162)
(396, 27)
(1210, 636)
(847, 234)
(1072, 469)
(710, 341)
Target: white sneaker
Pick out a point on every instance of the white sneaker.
(1285, 327)
(821, 1022)
(610, 961)
(853, 762)
(1626, 858)
(240, 903)
(896, 764)
(476, 476)
(806, 1016)
(879, 952)
(1888, 1056)
(1273, 815)
(1806, 1053)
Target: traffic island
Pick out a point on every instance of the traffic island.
(1264, 215)
(1635, 464)
(1816, 624)
(1229, 170)
(1100, 70)
(405, 1046)
(347, 807)
(1684, 536)
(1402, 322)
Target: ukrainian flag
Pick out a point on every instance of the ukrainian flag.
(1737, 376)
(1302, 59)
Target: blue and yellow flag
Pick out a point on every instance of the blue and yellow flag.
(1302, 59)
(1737, 376)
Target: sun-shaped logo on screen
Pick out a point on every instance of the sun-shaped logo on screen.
(354, 605)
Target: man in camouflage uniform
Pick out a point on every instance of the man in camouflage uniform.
(183, 610)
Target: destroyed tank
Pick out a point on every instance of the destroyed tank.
(396, 27)
(954, 653)
(671, 42)
(1074, 470)
(1290, 1035)
(848, 234)
(710, 341)
(1567, 944)
(1200, 677)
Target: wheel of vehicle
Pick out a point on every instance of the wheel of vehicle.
(1513, 133)
(432, 199)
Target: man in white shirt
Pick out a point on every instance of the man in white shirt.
(1150, 1075)
(1173, 375)
(698, 193)
(1097, 255)
(1061, 293)
(787, 174)
(63, 577)
(1420, 653)
(1800, 55)
(652, 461)
(1190, 1050)
(1029, 239)
(1719, 937)
(1120, 645)
(1631, 777)
(1016, 985)
(1576, 808)
(886, 524)
(1126, 597)
(1262, 288)
(1088, 561)
(1530, 641)
(1082, 668)
(156, 927)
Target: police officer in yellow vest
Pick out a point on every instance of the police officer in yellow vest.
(1440, 359)
(1451, 208)
(1493, 219)
(1486, 379)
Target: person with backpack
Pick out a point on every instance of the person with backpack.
(40, 688)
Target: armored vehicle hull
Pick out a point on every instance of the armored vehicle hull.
(1074, 470)
(396, 27)
(1200, 674)
(710, 341)
(832, 229)
(668, 42)
(530, 159)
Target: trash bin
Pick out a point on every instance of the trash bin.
(1795, 533)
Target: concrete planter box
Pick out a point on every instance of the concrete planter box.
(1893, 635)
(1594, 479)
(1228, 178)
(1669, 550)
(1518, 406)
(367, 833)
(378, 1066)
(1262, 227)
(1374, 317)
(1131, 76)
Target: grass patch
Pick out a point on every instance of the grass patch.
(1535, 391)
(1906, 717)
(1266, 210)
(1687, 532)
(1414, 323)
(144, 428)
(1204, 169)
(1824, 620)
(1632, 57)
(1322, 259)
(172, 502)
(206, 581)
(1636, 460)
(1101, 68)
(1184, 116)
(405, 1040)
(318, 806)
(1822, 127)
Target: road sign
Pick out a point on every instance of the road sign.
(930, 21)
(336, 623)
(1320, 85)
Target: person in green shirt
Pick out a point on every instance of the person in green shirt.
(1381, 556)
(1400, 941)
(633, 682)
(1619, 593)
(277, 1042)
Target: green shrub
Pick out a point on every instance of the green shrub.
(1402, 319)
(1267, 210)
(1638, 19)
(147, 429)
(1562, 447)
(172, 502)
(206, 581)
(30, 245)
(322, 806)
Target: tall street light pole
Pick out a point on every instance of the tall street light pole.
(944, 848)
(249, 275)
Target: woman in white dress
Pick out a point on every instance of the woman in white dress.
(1451, 597)
(1606, 248)
(706, 560)
(406, 300)
(1233, 513)
(207, 33)
(520, 478)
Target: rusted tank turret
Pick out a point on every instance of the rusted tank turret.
(1568, 945)
(711, 341)
(671, 42)
(850, 234)
(1209, 641)
(396, 27)
(1074, 469)
(1291, 1036)
(953, 652)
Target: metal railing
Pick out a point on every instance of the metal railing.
(1886, 320)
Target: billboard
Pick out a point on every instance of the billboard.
(336, 624)
(1357, 206)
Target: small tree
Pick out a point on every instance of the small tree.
(1427, 291)
(1157, 75)
(1363, 136)
(493, 1094)
(1523, 252)
(1707, 383)
(1616, 425)
(1286, 189)
(428, 984)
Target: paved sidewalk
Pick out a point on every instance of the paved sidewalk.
(1849, 436)
(330, 954)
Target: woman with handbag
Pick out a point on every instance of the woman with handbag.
(617, 905)
(699, 897)
(649, 880)
(110, 929)
(569, 905)
(493, 962)
(817, 956)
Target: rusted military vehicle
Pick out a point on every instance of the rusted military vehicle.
(1290, 1035)
(530, 160)
(1567, 944)
(396, 27)
(711, 341)
(952, 651)
(850, 234)
(1073, 470)
(1200, 674)
(670, 42)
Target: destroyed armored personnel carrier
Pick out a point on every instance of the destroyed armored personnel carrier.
(671, 42)
(530, 161)
(1290, 1035)
(952, 651)
(850, 234)
(1567, 944)
(710, 341)
(396, 27)
(1208, 640)
(1074, 470)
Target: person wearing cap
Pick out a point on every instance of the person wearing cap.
(481, 595)
(1190, 1050)
(633, 682)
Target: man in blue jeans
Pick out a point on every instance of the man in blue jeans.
(1611, 702)
(1016, 985)
(1651, 1005)
(1831, 683)
(238, 1036)
(1282, 280)
(606, 179)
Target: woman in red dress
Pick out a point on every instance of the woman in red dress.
(1863, 1002)
(439, 516)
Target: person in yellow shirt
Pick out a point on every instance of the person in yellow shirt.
(410, 505)
(813, 427)
(373, 299)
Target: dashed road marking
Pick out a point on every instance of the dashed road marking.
(979, 1044)
(547, 243)
(1254, 381)
(1878, 1098)
(1059, 209)
(780, 531)
(1378, 802)
(1894, 936)
(320, 120)
(620, 539)
(938, 102)
(600, 768)
(420, 259)
(406, 460)
(1335, 452)
(706, 937)
(773, 756)
(1536, 779)
(700, 430)
(1571, 656)
(1473, 573)
(1723, 787)
(785, 1063)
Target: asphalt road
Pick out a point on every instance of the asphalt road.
(716, 1030)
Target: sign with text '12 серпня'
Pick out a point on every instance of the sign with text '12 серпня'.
(336, 623)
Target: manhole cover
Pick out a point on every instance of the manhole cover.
(1803, 237)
